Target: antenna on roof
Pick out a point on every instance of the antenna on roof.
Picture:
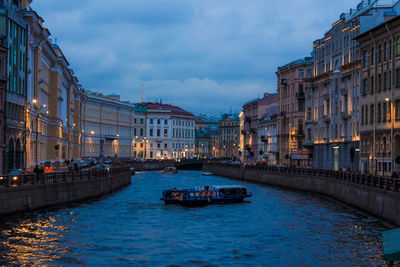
(142, 92)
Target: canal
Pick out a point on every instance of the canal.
(133, 227)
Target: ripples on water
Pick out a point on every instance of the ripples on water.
(133, 227)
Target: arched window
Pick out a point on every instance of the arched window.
(398, 46)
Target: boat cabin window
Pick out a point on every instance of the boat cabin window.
(233, 191)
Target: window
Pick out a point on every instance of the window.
(384, 81)
(365, 86)
(158, 145)
(165, 133)
(141, 132)
(371, 116)
(301, 73)
(362, 115)
(158, 132)
(165, 122)
(151, 121)
(397, 110)
(389, 113)
(384, 112)
(165, 145)
(385, 54)
(379, 115)
(151, 132)
(158, 121)
(141, 121)
(379, 82)
(366, 115)
(398, 46)
(134, 132)
(372, 84)
(365, 59)
(373, 56)
(398, 78)
(390, 80)
(379, 54)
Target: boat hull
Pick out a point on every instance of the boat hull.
(204, 202)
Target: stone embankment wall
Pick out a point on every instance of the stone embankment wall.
(379, 196)
(28, 192)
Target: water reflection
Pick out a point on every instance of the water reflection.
(32, 241)
(133, 227)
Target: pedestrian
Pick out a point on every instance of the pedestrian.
(36, 170)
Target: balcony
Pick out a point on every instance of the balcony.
(326, 118)
(299, 133)
(344, 91)
(300, 95)
(345, 115)
(310, 121)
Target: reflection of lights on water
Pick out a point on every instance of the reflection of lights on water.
(34, 242)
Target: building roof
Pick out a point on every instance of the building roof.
(301, 61)
(173, 109)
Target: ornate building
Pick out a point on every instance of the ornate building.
(14, 28)
(170, 132)
(333, 100)
(107, 126)
(251, 113)
(291, 109)
(53, 99)
(379, 100)
(229, 129)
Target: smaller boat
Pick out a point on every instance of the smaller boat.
(206, 173)
(170, 170)
(206, 195)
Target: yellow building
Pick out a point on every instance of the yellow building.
(53, 128)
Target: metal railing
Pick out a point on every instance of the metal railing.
(59, 177)
(381, 182)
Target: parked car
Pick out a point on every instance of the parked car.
(16, 172)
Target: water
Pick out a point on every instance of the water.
(133, 227)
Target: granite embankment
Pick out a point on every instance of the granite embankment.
(379, 196)
(28, 192)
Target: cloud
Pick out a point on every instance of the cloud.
(202, 55)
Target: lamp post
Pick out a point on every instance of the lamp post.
(37, 111)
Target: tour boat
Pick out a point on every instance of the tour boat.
(170, 170)
(206, 173)
(206, 195)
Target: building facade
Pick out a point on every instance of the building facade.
(291, 112)
(251, 113)
(3, 87)
(107, 126)
(268, 136)
(14, 29)
(170, 132)
(229, 129)
(53, 99)
(380, 98)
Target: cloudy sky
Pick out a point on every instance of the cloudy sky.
(203, 55)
